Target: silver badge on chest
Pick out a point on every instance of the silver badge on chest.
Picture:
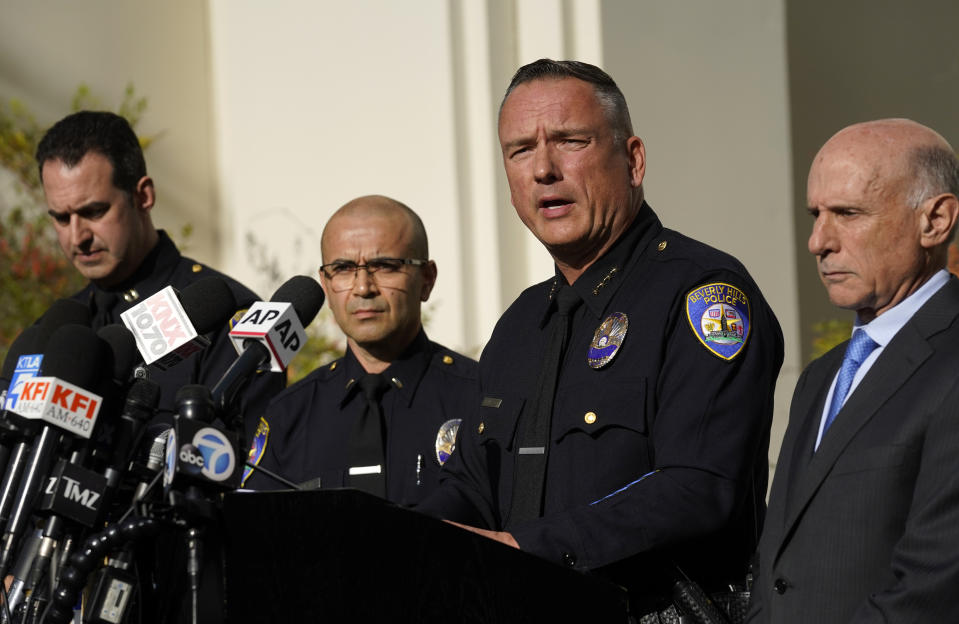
(607, 340)
(446, 439)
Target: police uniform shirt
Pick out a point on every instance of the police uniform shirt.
(164, 266)
(310, 423)
(656, 452)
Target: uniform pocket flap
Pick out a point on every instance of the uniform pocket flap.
(593, 407)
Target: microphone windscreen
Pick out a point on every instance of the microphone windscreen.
(209, 303)
(144, 394)
(75, 354)
(304, 294)
(64, 312)
(194, 401)
(124, 347)
(30, 341)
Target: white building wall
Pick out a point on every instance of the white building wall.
(276, 113)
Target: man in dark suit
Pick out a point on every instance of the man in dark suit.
(864, 509)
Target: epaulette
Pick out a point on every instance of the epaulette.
(452, 362)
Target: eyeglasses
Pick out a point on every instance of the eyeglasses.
(388, 271)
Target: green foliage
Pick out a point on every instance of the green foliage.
(319, 348)
(33, 271)
(828, 334)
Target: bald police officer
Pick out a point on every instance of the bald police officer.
(384, 417)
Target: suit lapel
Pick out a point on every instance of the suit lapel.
(811, 408)
(897, 363)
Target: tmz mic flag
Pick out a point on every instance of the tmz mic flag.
(163, 331)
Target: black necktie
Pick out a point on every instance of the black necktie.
(368, 441)
(532, 440)
(105, 302)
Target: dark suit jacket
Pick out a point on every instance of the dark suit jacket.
(866, 529)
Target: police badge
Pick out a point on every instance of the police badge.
(446, 439)
(256, 449)
(606, 341)
(718, 314)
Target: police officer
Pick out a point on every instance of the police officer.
(100, 200)
(626, 402)
(384, 417)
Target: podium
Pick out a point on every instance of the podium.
(346, 556)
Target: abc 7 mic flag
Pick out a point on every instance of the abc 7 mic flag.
(163, 331)
(202, 453)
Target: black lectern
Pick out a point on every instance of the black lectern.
(346, 556)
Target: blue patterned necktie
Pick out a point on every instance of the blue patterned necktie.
(858, 349)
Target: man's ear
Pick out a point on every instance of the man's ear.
(937, 220)
(429, 280)
(145, 194)
(637, 160)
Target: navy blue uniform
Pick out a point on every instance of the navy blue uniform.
(164, 266)
(311, 421)
(165, 559)
(655, 458)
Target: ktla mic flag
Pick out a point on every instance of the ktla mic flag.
(60, 404)
(163, 331)
(276, 325)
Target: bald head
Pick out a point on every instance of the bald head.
(884, 198)
(902, 156)
(380, 206)
(376, 275)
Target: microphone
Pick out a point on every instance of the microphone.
(22, 362)
(71, 363)
(204, 453)
(165, 333)
(26, 352)
(153, 464)
(64, 312)
(270, 331)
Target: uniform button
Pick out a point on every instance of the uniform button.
(197, 268)
(447, 359)
(481, 428)
(661, 246)
(590, 418)
(333, 366)
(569, 559)
(780, 586)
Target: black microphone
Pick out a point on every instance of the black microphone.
(209, 303)
(64, 312)
(30, 345)
(206, 454)
(26, 352)
(270, 332)
(73, 355)
(135, 402)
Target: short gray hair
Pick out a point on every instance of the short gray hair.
(607, 92)
(935, 170)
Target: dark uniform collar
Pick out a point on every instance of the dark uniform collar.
(154, 273)
(404, 373)
(600, 281)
